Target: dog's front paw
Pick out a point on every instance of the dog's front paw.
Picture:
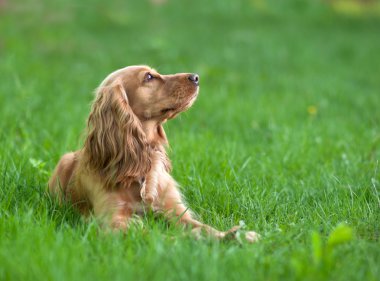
(252, 236)
(148, 196)
(148, 199)
(237, 232)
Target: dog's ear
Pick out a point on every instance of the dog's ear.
(116, 147)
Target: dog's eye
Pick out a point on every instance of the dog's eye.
(148, 77)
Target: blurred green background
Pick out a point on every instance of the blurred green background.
(285, 135)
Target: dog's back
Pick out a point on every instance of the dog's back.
(62, 175)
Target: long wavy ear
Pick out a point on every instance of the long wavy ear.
(116, 147)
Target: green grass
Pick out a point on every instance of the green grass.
(285, 135)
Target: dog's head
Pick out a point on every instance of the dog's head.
(126, 117)
(152, 95)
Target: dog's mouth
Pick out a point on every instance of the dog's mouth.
(181, 105)
(167, 110)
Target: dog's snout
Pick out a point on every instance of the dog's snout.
(194, 78)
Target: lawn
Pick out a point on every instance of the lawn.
(285, 135)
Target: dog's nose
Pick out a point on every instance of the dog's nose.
(194, 78)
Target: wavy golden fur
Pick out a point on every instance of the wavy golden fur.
(116, 146)
(123, 166)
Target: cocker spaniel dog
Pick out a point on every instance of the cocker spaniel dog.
(123, 167)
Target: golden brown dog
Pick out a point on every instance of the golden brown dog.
(123, 166)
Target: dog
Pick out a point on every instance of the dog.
(123, 166)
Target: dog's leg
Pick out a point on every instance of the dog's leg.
(149, 189)
(112, 210)
(171, 203)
